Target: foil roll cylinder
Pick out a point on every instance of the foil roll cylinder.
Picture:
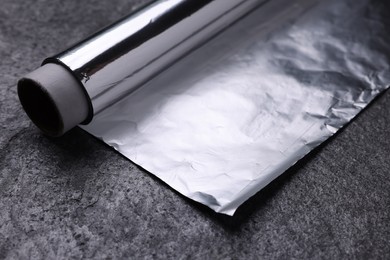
(221, 123)
(120, 58)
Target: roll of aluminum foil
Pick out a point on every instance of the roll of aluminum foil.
(224, 121)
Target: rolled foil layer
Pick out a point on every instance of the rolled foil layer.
(226, 120)
(117, 60)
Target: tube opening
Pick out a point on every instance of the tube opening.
(40, 107)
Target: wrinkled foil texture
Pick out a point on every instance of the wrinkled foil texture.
(226, 120)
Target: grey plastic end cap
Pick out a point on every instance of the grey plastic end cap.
(53, 99)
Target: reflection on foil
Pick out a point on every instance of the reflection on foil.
(120, 58)
(226, 120)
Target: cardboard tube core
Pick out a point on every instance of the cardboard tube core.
(53, 99)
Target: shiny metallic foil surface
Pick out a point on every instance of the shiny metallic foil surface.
(117, 60)
(223, 122)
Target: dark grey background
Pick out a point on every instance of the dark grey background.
(74, 197)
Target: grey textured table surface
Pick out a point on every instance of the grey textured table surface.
(74, 197)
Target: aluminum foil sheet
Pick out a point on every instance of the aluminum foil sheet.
(226, 120)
